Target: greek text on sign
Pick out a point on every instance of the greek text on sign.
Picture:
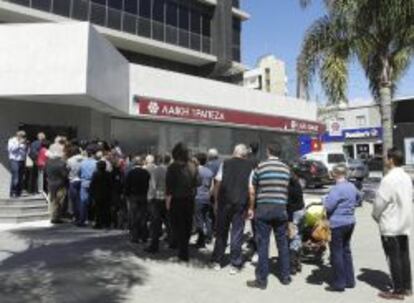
(170, 109)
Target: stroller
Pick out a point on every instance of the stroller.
(316, 233)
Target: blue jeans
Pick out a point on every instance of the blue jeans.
(230, 214)
(17, 171)
(203, 222)
(84, 200)
(268, 218)
(341, 257)
(295, 243)
(74, 196)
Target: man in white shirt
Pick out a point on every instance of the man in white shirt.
(393, 211)
(17, 149)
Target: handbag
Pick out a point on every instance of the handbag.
(322, 231)
(29, 162)
(292, 230)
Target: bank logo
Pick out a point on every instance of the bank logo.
(153, 108)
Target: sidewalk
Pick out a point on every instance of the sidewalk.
(66, 264)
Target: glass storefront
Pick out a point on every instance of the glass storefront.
(141, 136)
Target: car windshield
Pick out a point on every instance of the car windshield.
(336, 158)
(355, 161)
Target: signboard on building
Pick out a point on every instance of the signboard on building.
(335, 129)
(363, 133)
(192, 112)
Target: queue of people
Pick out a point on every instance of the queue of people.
(157, 197)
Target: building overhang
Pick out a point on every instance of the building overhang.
(14, 13)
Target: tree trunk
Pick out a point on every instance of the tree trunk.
(386, 120)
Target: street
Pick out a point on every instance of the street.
(67, 264)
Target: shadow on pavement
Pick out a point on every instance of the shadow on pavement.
(375, 278)
(319, 276)
(64, 264)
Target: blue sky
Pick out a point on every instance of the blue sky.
(278, 27)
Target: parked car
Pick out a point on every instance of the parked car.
(375, 163)
(329, 159)
(311, 173)
(358, 169)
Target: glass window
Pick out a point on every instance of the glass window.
(195, 22)
(158, 10)
(116, 4)
(61, 8)
(361, 120)
(336, 158)
(102, 2)
(43, 5)
(97, 14)
(183, 18)
(236, 31)
(206, 25)
(131, 6)
(130, 24)
(144, 27)
(80, 9)
(172, 16)
(114, 18)
(145, 8)
(21, 2)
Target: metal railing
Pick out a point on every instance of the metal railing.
(85, 10)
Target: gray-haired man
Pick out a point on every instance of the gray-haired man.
(232, 195)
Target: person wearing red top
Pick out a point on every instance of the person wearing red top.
(41, 164)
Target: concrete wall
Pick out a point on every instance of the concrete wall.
(155, 83)
(108, 73)
(43, 59)
(69, 61)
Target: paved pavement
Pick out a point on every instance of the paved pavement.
(62, 264)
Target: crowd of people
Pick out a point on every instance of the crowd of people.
(174, 196)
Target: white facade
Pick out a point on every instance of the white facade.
(155, 83)
(357, 128)
(268, 76)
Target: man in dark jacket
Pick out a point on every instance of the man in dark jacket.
(101, 194)
(57, 180)
(232, 194)
(136, 192)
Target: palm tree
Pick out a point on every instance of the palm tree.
(379, 34)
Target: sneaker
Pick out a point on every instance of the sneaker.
(255, 258)
(234, 270)
(216, 266)
(408, 293)
(286, 281)
(389, 295)
(256, 284)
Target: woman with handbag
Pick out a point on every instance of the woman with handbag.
(340, 205)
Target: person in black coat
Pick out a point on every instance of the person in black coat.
(101, 193)
(296, 212)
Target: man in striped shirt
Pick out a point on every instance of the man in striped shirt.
(268, 202)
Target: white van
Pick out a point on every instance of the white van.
(330, 159)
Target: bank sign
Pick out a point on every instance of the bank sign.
(357, 133)
(183, 111)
